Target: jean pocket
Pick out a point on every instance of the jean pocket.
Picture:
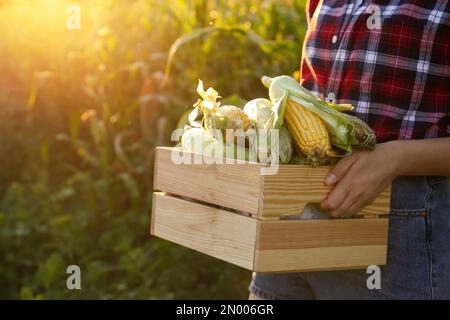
(438, 180)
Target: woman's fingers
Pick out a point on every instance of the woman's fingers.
(344, 209)
(344, 194)
(336, 197)
(338, 171)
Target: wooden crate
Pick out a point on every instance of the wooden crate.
(232, 212)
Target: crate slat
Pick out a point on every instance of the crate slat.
(218, 233)
(235, 186)
(321, 233)
(319, 259)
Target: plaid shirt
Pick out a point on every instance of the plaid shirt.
(396, 73)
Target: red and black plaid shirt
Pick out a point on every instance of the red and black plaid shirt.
(396, 74)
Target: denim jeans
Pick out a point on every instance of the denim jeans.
(418, 261)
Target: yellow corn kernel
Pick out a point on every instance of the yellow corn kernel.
(308, 131)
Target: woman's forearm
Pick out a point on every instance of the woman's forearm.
(422, 157)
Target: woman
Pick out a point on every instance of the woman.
(391, 60)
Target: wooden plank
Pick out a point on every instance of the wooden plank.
(152, 217)
(319, 259)
(218, 233)
(235, 186)
(321, 233)
(294, 186)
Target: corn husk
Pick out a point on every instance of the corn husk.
(200, 141)
(260, 112)
(345, 131)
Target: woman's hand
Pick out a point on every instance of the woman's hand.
(360, 178)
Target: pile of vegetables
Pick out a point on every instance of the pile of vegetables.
(309, 130)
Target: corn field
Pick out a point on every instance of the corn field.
(81, 110)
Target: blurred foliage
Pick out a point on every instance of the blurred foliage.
(80, 114)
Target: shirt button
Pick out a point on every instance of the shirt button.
(334, 39)
(331, 97)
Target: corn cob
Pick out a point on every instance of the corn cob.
(230, 117)
(236, 118)
(308, 131)
(218, 119)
